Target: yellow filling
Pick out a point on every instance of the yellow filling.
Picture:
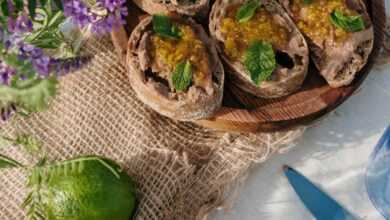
(188, 47)
(261, 26)
(315, 21)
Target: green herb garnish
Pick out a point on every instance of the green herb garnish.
(260, 61)
(164, 27)
(246, 11)
(6, 162)
(182, 76)
(347, 23)
(32, 95)
(306, 2)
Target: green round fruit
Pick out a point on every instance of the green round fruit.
(87, 188)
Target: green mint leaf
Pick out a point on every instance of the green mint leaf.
(246, 11)
(163, 26)
(347, 23)
(182, 76)
(4, 8)
(32, 5)
(32, 95)
(6, 162)
(260, 61)
(306, 2)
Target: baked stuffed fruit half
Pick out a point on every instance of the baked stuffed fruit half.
(174, 68)
(263, 49)
(339, 33)
(83, 188)
(184, 7)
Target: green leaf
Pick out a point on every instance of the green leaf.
(347, 23)
(32, 5)
(32, 95)
(246, 11)
(56, 20)
(163, 26)
(45, 35)
(22, 66)
(4, 8)
(43, 3)
(6, 162)
(306, 2)
(18, 5)
(59, 4)
(31, 144)
(3, 23)
(182, 76)
(260, 61)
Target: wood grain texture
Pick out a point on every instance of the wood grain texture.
(243, 112)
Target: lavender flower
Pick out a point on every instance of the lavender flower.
(6, 73)
(116, 12)
(41, 63)
(6, 112)
(65, 66)
(78, 11)
(103, 17)
(21, 24)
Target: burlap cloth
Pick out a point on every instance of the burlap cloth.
(182, 170)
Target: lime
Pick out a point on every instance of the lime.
(86, 188)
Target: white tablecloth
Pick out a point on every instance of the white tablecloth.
(333, 154)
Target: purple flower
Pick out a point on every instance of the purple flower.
(105, 15)
(21, 24)
(78, 11)
(28, 50)
(112, 5)
(42, 64)
(6, 112)
(6, 73)
(65, 66)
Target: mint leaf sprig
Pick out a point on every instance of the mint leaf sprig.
(347, 23)
(260, 61)
(247, 11)
(182, 76)
(163, 26)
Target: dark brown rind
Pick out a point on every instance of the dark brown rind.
(200, 8)
(285, 81)
(193, 105)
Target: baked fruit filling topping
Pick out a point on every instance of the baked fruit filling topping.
(240, 34)
(255, 37)
(326, 20)
(179, 55)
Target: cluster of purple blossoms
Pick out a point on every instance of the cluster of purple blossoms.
(41, 63)
(20, 24)
(6, 73)
(103, 17)
(6, 113)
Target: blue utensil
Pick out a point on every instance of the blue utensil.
(321, 205)
(378, 175)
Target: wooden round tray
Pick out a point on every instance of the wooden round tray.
(245, 113)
